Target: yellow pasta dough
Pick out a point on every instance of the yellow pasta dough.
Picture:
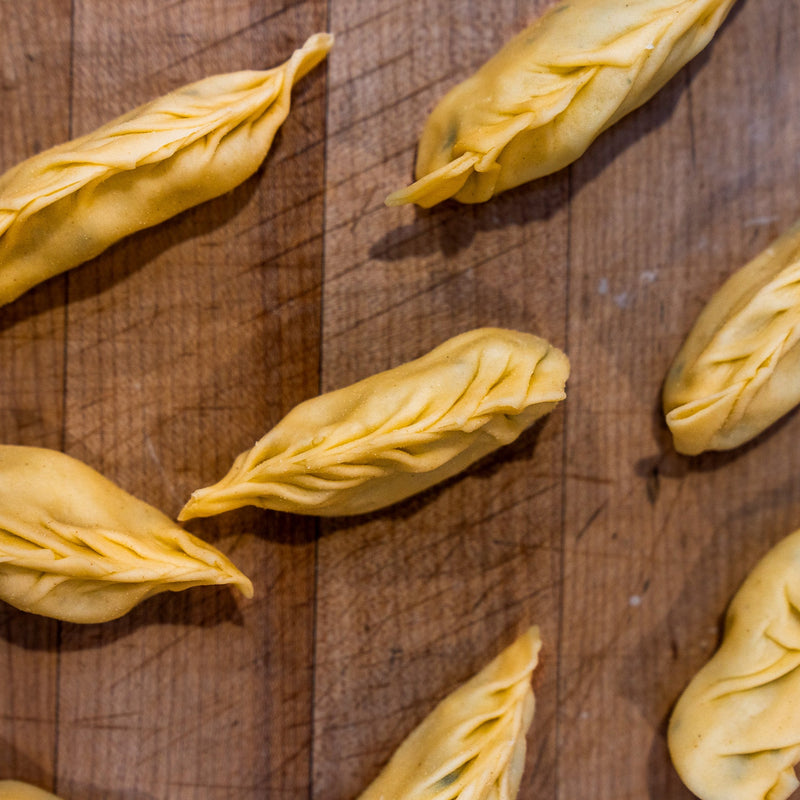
(16, 790)
(739, 369)
(68, 204)
(76, 547)
(735, 732)
(472, 745)
(396, 433)
(538, 103)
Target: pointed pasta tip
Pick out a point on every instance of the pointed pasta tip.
(397, 198)
(319, 41)
(245, 586)
(186, 513)
(442, 184)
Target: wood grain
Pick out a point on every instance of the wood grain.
(166, 356)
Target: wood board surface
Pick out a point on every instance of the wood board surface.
(160, 360)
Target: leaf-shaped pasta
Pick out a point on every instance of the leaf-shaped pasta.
(739, 369)
(396, 433)
(75, 546)
(16, 790)
(472, 745)
(537, 104)
(68, 204)
(735, 732)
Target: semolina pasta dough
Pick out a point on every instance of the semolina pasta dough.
(472, 745)
(396, 433)
(75, 546)
(537, 104)
(68, 204)
(739, 369)
(17, 790)
(735, 732)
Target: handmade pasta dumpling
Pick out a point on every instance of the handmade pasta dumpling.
(735, 732)
(472, 745)
(68, 204)
(75, 546)
(396, 433)
(17, 790)
(739, 369)
(537, 104)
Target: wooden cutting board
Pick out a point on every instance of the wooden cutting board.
(162, 359)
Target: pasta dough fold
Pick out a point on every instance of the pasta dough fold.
(739, 369)
(396, 433)
(537, 104)
(68, 204)
(76, 547)
(472, 745)
(735, 732)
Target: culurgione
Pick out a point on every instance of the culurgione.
(540, 101)
(739, 369)
(67, 204)
(394, 434)
(735, 732)
(472, 745)
(17, 790)
(77, 547)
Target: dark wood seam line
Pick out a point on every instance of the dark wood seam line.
(63, 436)
(320, 363)
(564, 450)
